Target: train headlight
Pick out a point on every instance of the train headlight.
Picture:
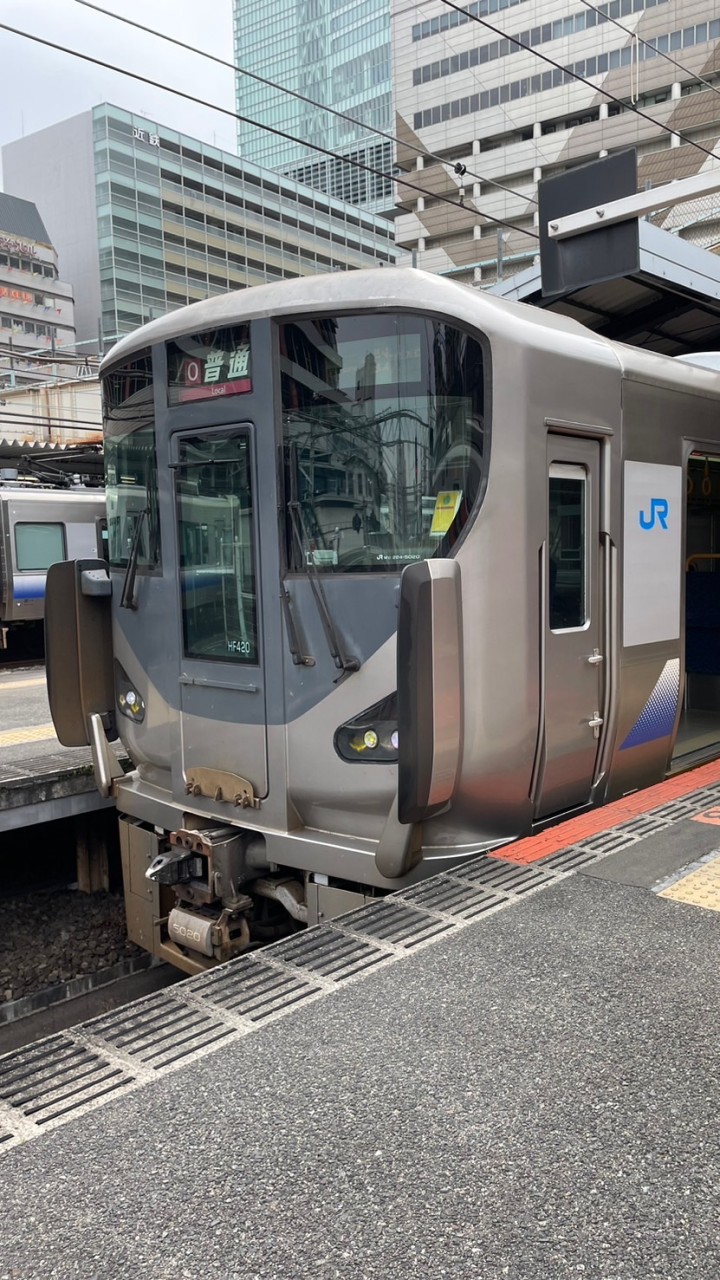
(371, 737)
(130, 702)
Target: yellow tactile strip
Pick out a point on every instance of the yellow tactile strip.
(699, 887)
(35, 733)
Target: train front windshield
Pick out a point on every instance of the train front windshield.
(383, 433)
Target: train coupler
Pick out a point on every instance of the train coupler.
(175, 867)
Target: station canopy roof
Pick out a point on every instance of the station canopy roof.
(49, 461)
(671, 304)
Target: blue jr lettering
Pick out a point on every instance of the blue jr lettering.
(659, 508)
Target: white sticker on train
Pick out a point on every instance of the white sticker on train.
(652, 552)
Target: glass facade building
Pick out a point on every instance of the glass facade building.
(179, 220)
(146, 219)
(336, 53)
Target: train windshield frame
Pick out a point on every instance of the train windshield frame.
(131, 486)
(385, 437)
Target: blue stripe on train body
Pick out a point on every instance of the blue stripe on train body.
(28, 586)
(657, 717)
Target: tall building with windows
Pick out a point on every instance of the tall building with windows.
(508, 115)
(146, 219)
(335, 53)
(36, 307)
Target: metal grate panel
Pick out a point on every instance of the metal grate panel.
(571, 859)
(330, 954)
(680, 809)
(160, 1031)
(641, 827)
(505, 876)
(253, 989)
(391, 922)
(453, 898)
(58, 1076)
(610, 841)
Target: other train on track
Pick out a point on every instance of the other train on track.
(398, 572)
(39, 525)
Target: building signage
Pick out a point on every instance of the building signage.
(209, 365)
(144, 135)
(10, 245)
(16, 295)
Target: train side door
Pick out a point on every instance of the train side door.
(573, 661)
(223, 738)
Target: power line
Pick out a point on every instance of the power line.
(292, 93)
(596, 88)
(475, 74)
(48, 419)
(280, 133)
(648, 45)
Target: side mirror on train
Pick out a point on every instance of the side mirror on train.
(78, 649)
(429, 675)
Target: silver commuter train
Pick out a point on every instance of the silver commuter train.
(39, 525)
(398, 573)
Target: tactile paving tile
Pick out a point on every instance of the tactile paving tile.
(453, 897)
(159, 1031)
(5, 1136)
(330, 954)
(252, 989)
(700, 888)
(57, 1076)
(391, 922)
(506, 876)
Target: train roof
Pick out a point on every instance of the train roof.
(407, 288)
(31, 493)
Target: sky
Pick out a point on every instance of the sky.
(40, 86)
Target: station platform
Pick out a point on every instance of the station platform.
(510, 1070)
(40, 780)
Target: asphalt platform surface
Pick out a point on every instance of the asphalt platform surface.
(534, 1097)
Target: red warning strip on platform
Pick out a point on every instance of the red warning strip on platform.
(575, 830)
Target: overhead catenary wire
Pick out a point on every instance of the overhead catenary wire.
(574, 75)
(18, 415)
(280, 133)
(292, 93)
(649, 45)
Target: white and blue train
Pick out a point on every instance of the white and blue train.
(39, 526)
(397, 573)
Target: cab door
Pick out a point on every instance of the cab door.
(573, 662)
(222, 688)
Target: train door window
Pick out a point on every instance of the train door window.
(567, 541)
(217, 558)
(37, 546)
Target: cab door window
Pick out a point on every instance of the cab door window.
(216, 549)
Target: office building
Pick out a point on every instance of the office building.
(467, 93)
(36, 308)
(146, 220)
(336, 53)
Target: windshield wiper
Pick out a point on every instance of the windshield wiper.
(294, 509)
(127, 597)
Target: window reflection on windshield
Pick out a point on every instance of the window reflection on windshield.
(130, 463)
(383, 430)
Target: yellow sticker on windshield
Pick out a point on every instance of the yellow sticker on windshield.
(447, 505)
